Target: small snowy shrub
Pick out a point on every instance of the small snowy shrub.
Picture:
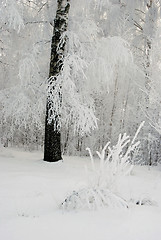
(102, 179)
(114, 161)
(92, 198)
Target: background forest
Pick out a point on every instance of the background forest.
(111, 77)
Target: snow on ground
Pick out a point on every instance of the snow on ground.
(31, 191)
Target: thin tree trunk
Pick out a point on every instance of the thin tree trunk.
(52, 145)
(148, 46)
(124, 109)
(113, 107)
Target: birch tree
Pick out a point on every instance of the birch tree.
(52, 146)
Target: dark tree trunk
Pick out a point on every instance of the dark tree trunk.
(52, 145)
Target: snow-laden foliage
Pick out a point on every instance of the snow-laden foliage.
(114, 162)
(117, 53)
(68, 99)
(78, 106)
(23, 106)
(28, 70)
(10, 15)
(21, 116)
(68, 105)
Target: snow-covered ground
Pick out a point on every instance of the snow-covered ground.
(32, 190)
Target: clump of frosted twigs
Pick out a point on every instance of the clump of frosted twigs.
(143, 201)
(114, 162)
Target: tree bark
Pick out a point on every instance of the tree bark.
(52, 144)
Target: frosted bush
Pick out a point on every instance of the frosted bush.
(114, 162)
(92, 198)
